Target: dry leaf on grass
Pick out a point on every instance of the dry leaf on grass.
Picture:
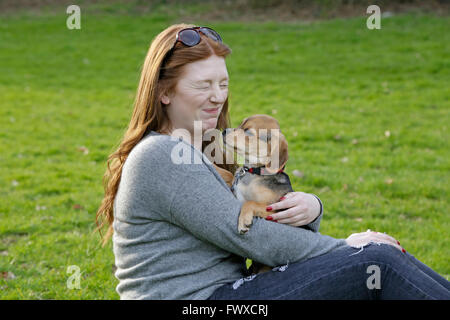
(84, 150)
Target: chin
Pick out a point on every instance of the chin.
(209, 124)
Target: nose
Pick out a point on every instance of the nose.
(218, 96)
(224, 132)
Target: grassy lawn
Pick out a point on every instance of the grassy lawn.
(365, 112)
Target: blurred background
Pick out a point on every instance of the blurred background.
(365, 112)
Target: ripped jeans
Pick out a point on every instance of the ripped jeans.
(376, 271)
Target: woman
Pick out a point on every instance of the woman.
(175, 225)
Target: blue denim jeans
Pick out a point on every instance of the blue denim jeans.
(377, 271)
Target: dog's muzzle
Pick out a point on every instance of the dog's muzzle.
(225, 132)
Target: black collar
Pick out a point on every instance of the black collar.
(259, 170)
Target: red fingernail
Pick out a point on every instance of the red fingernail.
(398, 242)
(403, 250)
(269, 208)
(269, 218)
(282, 198)
(275, 220)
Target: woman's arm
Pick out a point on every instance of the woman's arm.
(191, 197)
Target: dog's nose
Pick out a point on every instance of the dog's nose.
(224, 132)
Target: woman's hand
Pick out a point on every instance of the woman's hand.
(358, 240)
(302, 208)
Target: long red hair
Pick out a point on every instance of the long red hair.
(159, 75)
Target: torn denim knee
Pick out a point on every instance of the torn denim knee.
(362, 247)
(239, 282)
(281, 268)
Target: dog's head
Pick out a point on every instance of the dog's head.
(257, 142)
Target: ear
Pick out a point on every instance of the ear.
(243, 122)
(278, 144)
(165, 99)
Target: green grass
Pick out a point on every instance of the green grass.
(328, 83)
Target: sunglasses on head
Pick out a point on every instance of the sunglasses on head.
(191, 36)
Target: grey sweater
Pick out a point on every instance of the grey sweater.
(175, 228)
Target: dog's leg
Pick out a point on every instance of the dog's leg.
(249, 210)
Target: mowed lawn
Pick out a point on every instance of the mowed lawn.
(365, 112)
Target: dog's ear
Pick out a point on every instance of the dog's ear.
(278, 145)
(242, 123)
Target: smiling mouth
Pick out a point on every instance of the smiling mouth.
(212, 110)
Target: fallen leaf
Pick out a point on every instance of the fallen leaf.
(84, 150)
(389, 181)
(387, 133)
(337, 137)
(77, 206)
(355, 141)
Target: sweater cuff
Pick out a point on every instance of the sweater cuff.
(320, 202)
(314, 225)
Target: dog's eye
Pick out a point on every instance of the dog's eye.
(248, 132)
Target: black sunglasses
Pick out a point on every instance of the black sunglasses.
(191, 36)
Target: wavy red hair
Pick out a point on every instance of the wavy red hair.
(159, 75)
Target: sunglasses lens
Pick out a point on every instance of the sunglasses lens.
(211, 34)
(189, 37)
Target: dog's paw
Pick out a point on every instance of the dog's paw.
(244, 223)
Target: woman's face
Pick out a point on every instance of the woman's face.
(199, 94)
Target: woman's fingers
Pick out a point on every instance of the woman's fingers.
(388, 237)
(294, 221)
(299, 223)
(363, 238)
(289, 200)
(384, 238)
(292, 212)
(283, 204)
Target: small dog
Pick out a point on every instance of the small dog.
(259, 181)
